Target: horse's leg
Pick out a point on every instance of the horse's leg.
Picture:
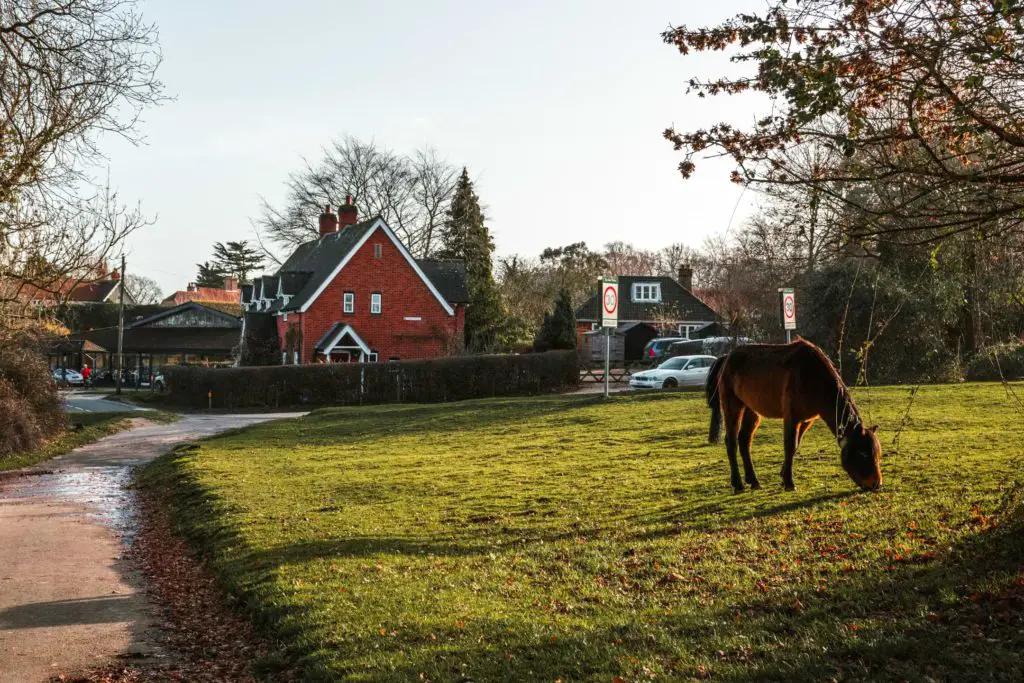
(751, 420)
(801, 429)
(789, 440)
(732, 416)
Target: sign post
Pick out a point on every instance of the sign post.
(609, 320)
(787, 311)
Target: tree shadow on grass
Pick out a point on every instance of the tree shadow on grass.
(410, 420)
(956, 617)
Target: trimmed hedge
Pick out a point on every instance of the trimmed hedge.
(428, 381)
(1005, 361)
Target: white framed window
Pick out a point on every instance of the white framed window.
(349, 302)
(371, 358)
(375, 303)
(647, 292)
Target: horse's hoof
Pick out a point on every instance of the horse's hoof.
(755, 486)
(737, 489)
(789, 487)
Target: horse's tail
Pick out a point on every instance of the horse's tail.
(711, 394)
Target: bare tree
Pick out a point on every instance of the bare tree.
(46, 251)
(411, 193)
(625, 259)
(70, 71)
(142, 290)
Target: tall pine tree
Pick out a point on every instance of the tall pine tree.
(210, 275)
(237, 258)
(465, 238)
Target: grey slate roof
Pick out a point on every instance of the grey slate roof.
(315, 261)
(449, 277)
(677, 303)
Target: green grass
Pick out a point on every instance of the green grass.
(575, 539)
(93, 427)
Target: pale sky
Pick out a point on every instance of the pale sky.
(556, 106)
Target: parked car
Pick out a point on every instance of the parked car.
(159, 383)
(657, 350)
(709, 346)
(681, 371)
(66, 377)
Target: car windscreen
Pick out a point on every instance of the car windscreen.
(673, 364)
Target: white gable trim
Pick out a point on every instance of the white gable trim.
(381, 225)
(337, 338)
(112, 290)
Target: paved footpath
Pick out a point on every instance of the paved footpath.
(68, 599)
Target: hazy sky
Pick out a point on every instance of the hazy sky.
(556, 107)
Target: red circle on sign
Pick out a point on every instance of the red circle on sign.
(611, 300)
(790, 306)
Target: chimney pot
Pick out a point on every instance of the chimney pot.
(685, 277)
(231, 283)
(116, 275)
(347, 214)
(328, 221)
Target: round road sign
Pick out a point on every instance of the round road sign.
(788, 310)
(611, 300)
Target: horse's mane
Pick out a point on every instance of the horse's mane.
(844, 391)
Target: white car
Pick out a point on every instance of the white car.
(66, 377)
(681, 371)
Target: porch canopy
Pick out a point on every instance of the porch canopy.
(343, 340)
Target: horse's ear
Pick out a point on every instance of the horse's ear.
(873, 428)
(843, 441)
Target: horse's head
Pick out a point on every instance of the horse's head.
(862, 456)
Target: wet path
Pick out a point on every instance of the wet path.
(68, 599)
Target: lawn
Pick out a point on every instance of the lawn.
(578, 539)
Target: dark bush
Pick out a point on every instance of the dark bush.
(1005, 361)
(429, 381)
(30, 409)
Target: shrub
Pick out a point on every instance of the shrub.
(1005, 361)
(428, 381)
(30, 408)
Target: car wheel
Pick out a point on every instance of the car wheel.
(669, 383)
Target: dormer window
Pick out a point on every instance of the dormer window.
(647, 292)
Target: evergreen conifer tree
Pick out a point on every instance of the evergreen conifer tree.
(210, 275)
(237, 258)
(466, 238)
(559, 328)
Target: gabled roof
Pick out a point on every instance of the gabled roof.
(223, 319)
(334, 336)
(95, 291)
(677, 303)
(449, 277)
(323, 258)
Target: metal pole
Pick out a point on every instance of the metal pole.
(120, 330)
(607, 357)
(789, 336)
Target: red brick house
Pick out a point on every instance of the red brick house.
(357, 295)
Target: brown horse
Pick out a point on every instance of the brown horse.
(797, 383)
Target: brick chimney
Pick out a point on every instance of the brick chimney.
(685, 277)
(347, 214)
(231, 283)
(328, 222)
